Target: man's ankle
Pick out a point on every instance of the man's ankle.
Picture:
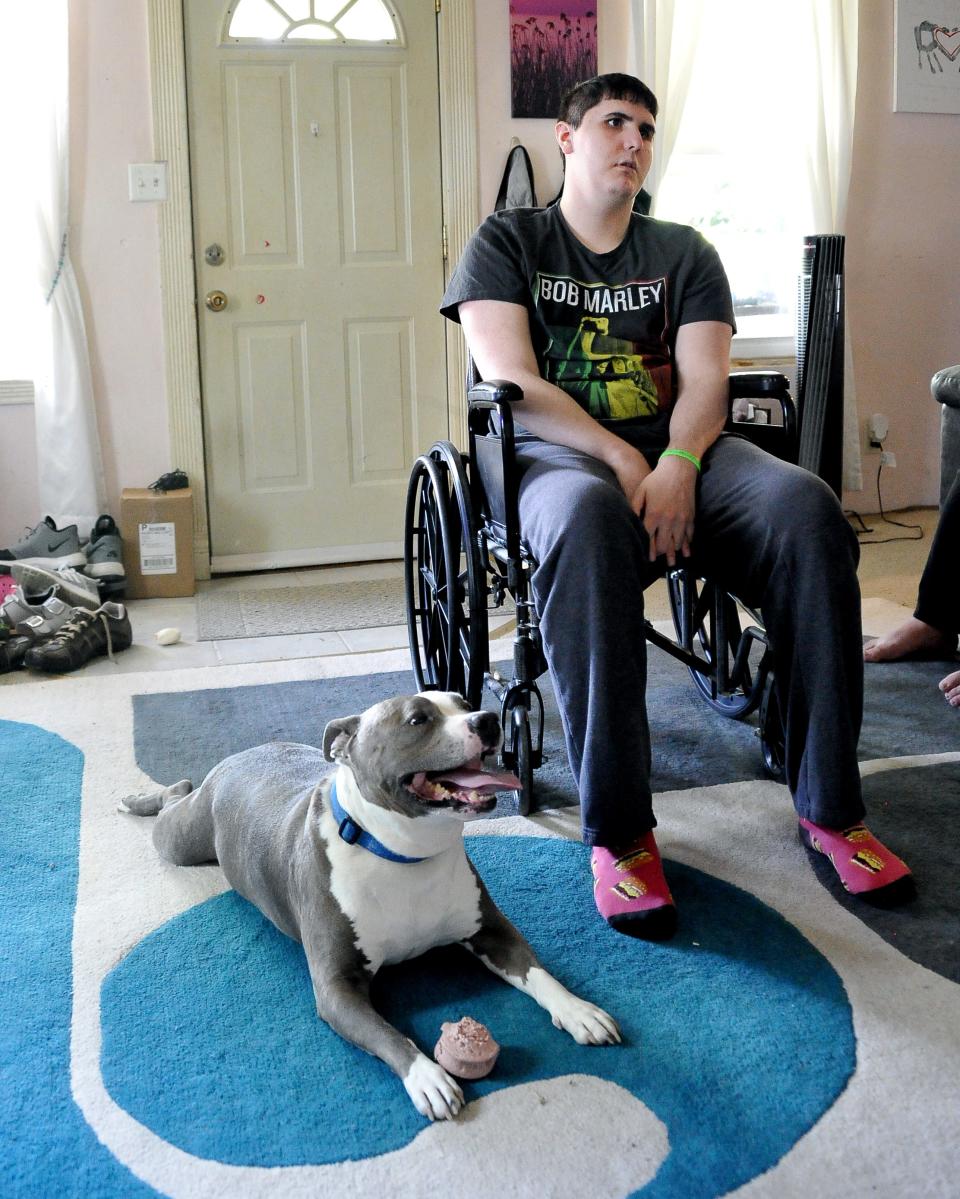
(631, 890)
(864, 865)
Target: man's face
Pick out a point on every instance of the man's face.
(612, 148)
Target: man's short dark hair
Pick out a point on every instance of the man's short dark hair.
(615, 86)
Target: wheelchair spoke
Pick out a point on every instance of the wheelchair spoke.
(708, 619)
(444, 578)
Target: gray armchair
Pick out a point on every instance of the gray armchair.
(945, 389)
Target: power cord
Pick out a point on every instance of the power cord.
(915, 535)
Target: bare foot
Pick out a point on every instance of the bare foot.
(950, 686)
(912, 637)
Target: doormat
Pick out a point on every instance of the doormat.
(323, 608)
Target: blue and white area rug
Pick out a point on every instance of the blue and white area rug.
(158, 1036)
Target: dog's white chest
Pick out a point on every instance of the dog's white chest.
(401, 910)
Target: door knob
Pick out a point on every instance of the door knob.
(216, 301)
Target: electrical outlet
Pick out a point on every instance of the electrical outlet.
(877, 429)
(888, 458)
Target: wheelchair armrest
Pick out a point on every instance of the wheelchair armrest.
(758, 383)
(766, 393)
(497, 391)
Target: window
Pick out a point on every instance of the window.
(331, 21)
(738, 171)
(21, 67)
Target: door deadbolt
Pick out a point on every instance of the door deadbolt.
(216, 301)
(213, 254)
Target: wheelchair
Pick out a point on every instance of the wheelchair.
(465, 557)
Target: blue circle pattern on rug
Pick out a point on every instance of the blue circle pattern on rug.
(738, 1034)
(46, 1146)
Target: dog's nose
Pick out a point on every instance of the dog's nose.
(486, 725)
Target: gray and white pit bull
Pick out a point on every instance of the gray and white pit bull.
(367, 865)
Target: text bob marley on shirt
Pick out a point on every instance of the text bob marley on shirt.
(607, 346)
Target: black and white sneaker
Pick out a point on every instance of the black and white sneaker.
(12, 652)
(105, 552)
(86, 635)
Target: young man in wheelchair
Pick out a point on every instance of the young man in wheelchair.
(617, 327)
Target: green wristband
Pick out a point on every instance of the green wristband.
(683, 454)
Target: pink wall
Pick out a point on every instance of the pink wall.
(115, 242)
(496, 128)
(903, 299)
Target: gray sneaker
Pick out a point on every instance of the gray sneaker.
(16, 607)
(36, 621)
(69, 584)
(47, 546)
(104, 551)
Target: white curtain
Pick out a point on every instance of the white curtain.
(833, 40)
(666, 35)
(69, 467)
(666, 41)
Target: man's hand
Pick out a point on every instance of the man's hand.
(667, 508)
(632, 471)
(664, 499)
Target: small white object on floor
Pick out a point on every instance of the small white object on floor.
(167, 636)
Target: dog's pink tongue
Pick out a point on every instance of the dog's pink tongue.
(468, 779)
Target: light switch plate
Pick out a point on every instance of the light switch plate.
(148, 180)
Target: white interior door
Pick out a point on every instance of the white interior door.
(315, 168)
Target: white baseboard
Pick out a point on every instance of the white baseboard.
(226, 564)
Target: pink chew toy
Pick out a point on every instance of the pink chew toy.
(466, 1049)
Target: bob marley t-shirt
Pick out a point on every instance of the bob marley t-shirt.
(604, 326)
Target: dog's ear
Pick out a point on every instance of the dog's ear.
(336, 737)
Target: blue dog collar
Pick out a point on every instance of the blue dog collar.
(353, 834)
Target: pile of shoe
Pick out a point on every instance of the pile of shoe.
(58, 617)
(100, 557)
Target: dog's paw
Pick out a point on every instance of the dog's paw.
(586, 1023)
(434, 1093)
(141, 805)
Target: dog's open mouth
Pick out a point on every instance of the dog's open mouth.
(468, 786)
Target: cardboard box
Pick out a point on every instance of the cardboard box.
(157, 533)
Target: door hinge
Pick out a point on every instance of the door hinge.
(445, 245)
(436, 5)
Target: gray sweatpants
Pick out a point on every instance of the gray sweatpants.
(770, 532)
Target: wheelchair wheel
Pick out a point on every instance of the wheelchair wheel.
(444, 578)
(771, 731)
(707, 621)
(521, 751)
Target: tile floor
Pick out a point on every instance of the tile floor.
(149, 616)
